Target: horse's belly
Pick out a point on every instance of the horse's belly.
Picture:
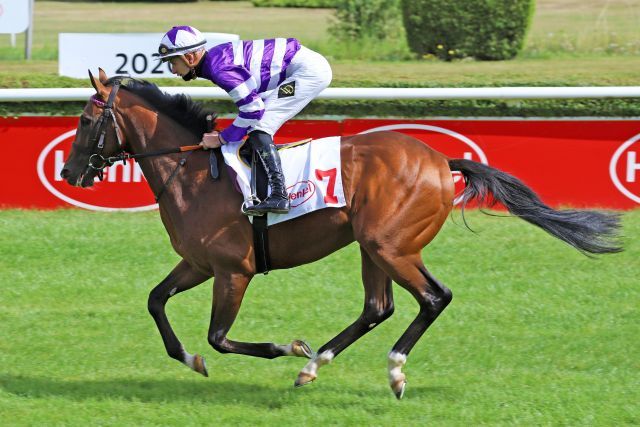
(309, 238)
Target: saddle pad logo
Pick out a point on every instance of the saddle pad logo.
(300, 192)
(287, 90)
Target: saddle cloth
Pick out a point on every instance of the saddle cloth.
(312, 171)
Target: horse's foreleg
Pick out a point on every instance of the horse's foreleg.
(378, 306)
(432, 296)
(182, 277)
(228, 291)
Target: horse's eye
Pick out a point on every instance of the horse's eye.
(85, 121)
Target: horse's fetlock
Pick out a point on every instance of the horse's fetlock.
(177, 354)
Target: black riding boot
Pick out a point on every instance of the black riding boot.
(278, 200)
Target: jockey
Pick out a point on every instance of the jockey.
(269, 80)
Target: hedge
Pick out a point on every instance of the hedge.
(295, 3)
(416, 109)
(483, 29)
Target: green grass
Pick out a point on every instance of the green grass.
(537, 334)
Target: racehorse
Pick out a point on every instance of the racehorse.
(398, 194)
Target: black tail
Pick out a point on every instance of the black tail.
(588, 231)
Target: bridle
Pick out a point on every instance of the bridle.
(98, 134)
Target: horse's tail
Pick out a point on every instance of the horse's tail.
(588, 231)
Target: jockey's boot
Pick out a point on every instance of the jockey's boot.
(278, 200)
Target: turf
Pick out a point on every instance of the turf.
(537, 334)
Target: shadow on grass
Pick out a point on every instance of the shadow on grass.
(191, 391)
(138, 390)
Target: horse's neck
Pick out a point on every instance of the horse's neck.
(158, 169)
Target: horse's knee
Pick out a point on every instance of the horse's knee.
(156, 301)
(374, 314)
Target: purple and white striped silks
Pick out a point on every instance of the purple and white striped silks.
(245, 69)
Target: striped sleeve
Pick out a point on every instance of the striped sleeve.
(242, 88)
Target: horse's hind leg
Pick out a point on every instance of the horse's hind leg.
(378, 306)
(432, 296)
(182, 278)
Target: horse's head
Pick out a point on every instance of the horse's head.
(98, 135)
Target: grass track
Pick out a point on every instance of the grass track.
(537, 334)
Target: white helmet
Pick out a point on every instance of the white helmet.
(180, 40)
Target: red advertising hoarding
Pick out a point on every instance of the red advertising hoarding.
(579, 163)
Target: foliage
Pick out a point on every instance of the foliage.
(294, 3)
(483, 29)
(375, 19)
(129, 1)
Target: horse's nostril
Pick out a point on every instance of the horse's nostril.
(64, 173)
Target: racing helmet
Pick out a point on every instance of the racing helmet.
(178, 41)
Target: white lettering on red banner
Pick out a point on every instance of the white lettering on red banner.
(579, 163)
(121, 181)
(624, 163)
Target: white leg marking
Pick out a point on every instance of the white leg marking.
(288, 349)
(188, 359)
(396, 362)
(317, 361)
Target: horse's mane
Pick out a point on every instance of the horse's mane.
(180, 108)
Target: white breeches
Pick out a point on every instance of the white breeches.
(308, 74)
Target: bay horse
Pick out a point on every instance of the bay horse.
(398, 194)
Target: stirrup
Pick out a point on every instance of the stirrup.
(274, 208)
(248, 204)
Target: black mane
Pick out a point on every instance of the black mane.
(180, 108)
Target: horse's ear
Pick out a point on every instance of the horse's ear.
(102, 75)
(93, 81)
(98, 86)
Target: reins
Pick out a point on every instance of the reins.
(98, 162)
(124, 156)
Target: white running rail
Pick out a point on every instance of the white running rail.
(200, 93)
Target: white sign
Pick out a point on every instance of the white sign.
(14, 16)
(118, 54)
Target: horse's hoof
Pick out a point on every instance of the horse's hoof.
(301, 349)
(199, 365)
(304, 379)
(398, 387)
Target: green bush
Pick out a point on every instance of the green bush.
(483, 29)
(375, 19)
(294, 3)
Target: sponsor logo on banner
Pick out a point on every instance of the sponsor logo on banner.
(449, 142)
(300, 192)
(624, 168)
(124, 187)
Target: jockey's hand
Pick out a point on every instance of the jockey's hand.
(212, 140)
